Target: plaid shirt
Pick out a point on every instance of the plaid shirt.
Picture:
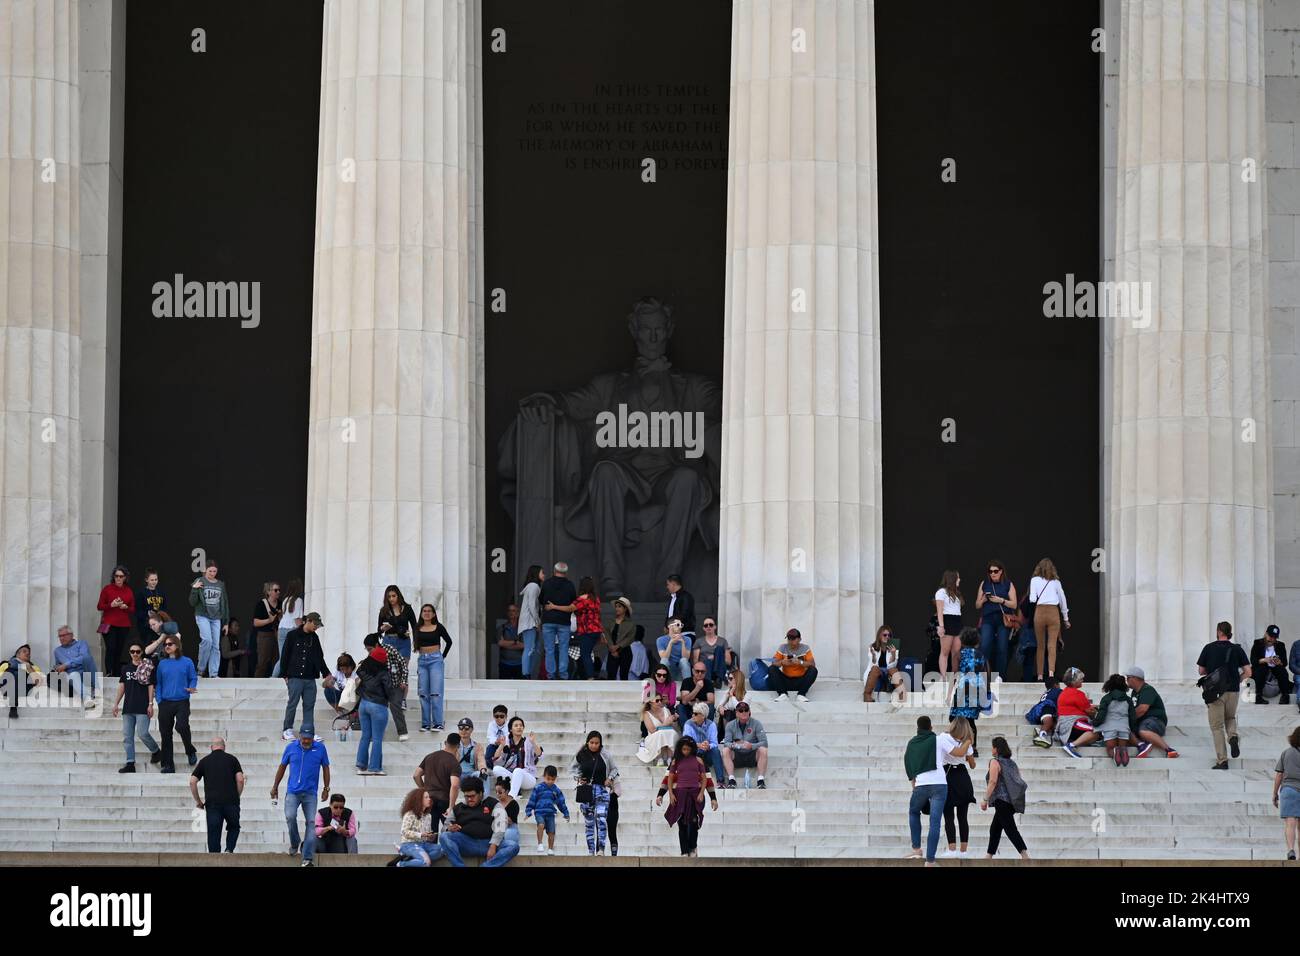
(396, 663)
(588, 611)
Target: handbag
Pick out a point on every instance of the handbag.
(575, 648)
(103, 626)
(348, 699)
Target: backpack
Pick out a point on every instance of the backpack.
(758, 673)
(1048, 700)
(1216, 683)
(1014, 783)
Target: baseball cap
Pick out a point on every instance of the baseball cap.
(1273, 631)
(1137, 672)
(465, 724)
(314, 618)
(305, 732)
(170, 629)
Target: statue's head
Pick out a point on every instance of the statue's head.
(651, 325)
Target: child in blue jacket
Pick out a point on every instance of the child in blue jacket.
(545, 800)
(1043, 714)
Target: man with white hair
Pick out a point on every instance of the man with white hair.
(705, 734)
(559, 598)
(73, 658)
(225, 783)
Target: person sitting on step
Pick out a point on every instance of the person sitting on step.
(744, 745)
(792, 668)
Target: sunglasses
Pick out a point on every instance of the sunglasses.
(995, 570)
(275, 589)
(886, 635)
(169, 644)
(742, 710)
(710, 624)
(135, 652)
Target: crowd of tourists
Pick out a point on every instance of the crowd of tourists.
(695, 717)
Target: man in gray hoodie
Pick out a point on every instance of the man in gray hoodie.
(744, 745)
(211, 614)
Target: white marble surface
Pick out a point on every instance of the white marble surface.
(800, 496)
(395, 317)
(1190, 520)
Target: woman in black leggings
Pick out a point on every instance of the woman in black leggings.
(1004, 814)
(961, 792)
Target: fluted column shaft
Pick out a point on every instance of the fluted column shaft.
(1190, 525)
(40, 322)
(800, 509)
(391, 496)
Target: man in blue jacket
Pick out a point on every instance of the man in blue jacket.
(73, 658)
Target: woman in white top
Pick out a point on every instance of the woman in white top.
(530, 618)
(661, 731)
(1050, 612)
(947, 608)
(882, 672)
(290, 618)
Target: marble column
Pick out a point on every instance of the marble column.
(800, 509)
(40, 323)
(1190, 521)
(391, 492)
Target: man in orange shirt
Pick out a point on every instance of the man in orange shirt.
(792, 668)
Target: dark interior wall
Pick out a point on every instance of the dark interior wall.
(574, 246)
(1010, 90)
(220, 185)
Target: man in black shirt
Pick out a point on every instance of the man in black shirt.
(559, 598)
(225, 782)
(477, 827)
(696, 689)
(302, 663)
(1226, 657)
(681, 605)
(1268, 657)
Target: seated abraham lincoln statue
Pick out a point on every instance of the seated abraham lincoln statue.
(636, 458)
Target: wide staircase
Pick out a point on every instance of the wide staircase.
(836, 786)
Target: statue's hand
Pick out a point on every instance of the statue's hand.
(537, 408)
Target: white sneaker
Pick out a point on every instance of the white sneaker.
(550, 852)
(946, 853)
(541, 848)
(287, 735)
(781, 697)
(403, 736)
(801, 698)
(379, 773)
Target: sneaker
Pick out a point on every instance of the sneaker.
(781, 697)
(424, 730)
(948, 853)
(92, 703)
(308, 863)
(730, 784)
(1220, 766)
(129, 768)
(1042, 740)
(541, 848)
(193, 758)
(762, 784)
(362, 772)
(801, 698)
(1234, 746)
(403, 737)
(1145, 748)
(287, 735)
(1290, 855)
(156, 756)
(1069, 749)
(439, 727)
(1171, 754)
(550, 852)
(1122, 754)
(293, 851)
(379, 773)
(168, 770)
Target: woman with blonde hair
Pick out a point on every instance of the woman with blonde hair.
(1051, 612)
(661, 731)
(882, 674)
(947, 608)
(727, 699)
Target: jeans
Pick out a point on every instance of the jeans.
(993, 643)
(133, 724)
(419, 854)
(305, 801)
(713, 757)
(301, 689)
(227, 813)
(456, 845)
(374, 721)
(209, 645)
(555, 642)
(431, 687)
(594, 814)
(284, 632)
(78, 679)
(528, 662)
(936, 795)
(586, 663)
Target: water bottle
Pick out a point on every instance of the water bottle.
(746, 778)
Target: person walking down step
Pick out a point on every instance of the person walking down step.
(303, 662)
(176, 680)
(595, 772)
(211, 614)
(545, 801)
(306, 760)
(136, 686)
(1005, 792)
(688, 779)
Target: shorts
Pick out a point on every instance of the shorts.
(744, 758)
(1153, 724)
(1289, 801)
(952, 625)
(1112, 734)
(547, 822)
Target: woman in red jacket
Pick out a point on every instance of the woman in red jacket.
(117, 602)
